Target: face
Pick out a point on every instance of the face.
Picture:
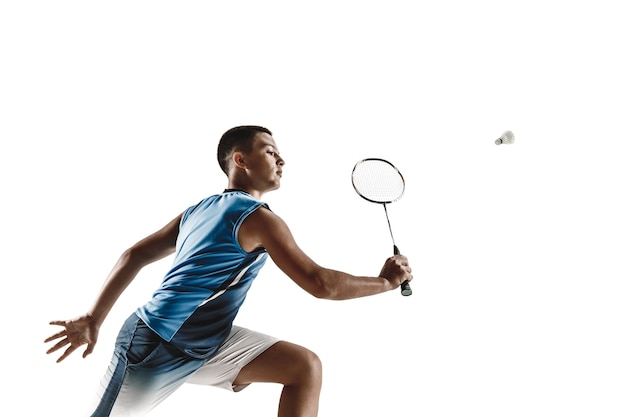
(264, 164)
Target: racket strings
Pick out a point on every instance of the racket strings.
(378, 181)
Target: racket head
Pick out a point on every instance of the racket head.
(377, 180)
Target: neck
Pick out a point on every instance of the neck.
(254, 193)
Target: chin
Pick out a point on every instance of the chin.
(275, 187)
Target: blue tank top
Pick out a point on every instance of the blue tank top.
(200, 296)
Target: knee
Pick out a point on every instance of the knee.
(308, 368)
(314, 363)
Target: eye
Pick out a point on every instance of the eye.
(272, 153)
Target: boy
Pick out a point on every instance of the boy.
(185, 333)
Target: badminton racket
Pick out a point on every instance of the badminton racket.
(379, 181)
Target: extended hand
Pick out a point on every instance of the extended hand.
(79, 331)
(396, 270)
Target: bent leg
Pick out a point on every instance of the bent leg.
(298, 369)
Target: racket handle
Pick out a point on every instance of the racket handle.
(405, 288)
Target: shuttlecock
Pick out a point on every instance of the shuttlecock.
(507, 138)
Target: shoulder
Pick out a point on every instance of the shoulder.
(260, 228)
(262, 217)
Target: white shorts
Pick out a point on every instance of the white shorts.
(239, 349)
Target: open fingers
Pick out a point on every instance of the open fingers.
(59, 334)
(62, 333)
(67, 353)
(58, 346)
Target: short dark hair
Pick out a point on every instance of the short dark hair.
(237, 139)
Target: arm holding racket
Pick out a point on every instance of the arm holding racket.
(263, 228)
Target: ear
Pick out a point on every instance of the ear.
(238, 160)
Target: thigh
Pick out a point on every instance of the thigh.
(283, 363)
(240, 348)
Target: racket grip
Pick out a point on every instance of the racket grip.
(405, 288)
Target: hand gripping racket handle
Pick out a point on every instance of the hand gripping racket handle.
(405, 288)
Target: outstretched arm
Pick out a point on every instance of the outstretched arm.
(84, 329)
(263, 228)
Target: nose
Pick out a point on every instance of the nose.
(279, 160)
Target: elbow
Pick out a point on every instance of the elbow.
(134, 257)
(322, 293)
(323, 287)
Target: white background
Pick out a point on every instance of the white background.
(110, 114)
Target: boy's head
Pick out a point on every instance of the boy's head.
(237, 139)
